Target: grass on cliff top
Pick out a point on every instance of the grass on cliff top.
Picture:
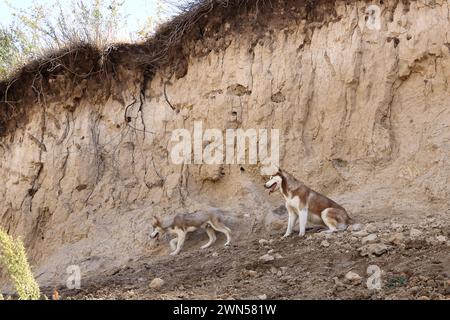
(53, 76)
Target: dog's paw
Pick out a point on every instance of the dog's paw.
(173, 253)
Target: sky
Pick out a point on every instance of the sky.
(137, 10)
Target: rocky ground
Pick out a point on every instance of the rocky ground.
(412, 262)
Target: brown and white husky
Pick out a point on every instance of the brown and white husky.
(182, 224)
(307, 205)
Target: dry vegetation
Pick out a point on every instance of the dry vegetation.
(40, 81)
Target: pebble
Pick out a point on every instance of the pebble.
(371, 228)
(325, 243)
(441, 239)
(263, 242)
(372, 249)
(397, 227)
(353, 276)
(250, 273)
(278, 256)
(157, 283)
(267, 258)
(397, 238)
(356, 227)
(415, 233)
(262, 297)
(338, 282)
(371, 238)
(360, 234)
(414, 290)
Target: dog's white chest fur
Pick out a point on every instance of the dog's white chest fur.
(297, 205)
(293, 202)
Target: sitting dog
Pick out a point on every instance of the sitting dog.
(307, 205)
(182, 224)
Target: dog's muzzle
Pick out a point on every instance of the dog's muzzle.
(271, 188)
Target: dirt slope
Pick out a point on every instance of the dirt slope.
(413, 267)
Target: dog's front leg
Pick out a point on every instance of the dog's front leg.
(180, 241)
(291, 222)
(173, 243)
(303, 221)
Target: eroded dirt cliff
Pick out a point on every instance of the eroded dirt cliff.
(363, 115)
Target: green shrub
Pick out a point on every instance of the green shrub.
(14, 258)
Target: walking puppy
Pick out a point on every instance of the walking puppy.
(182, 224)
(307, 205)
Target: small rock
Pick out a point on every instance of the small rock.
(270, 251)
(262, 297)
(325, 243)
(441, 239)
(423, 298)
(278, 256)
(353, 276)
(371, 238)
(372, 249)
(356, 227)
(414, 290)
(157, 283)
(250, 273)
(415, 233)
(360, 234)
(397, 238)
(397, 227)
(263, 242)
(347, 246)
(371, 228)
(215, 255)
(267, 258)
(338, 282)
